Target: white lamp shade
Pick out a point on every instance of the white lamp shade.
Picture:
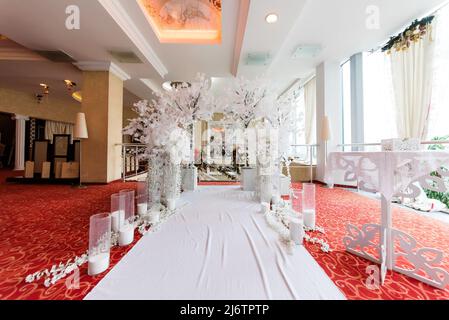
(326, 133)
(80, 130)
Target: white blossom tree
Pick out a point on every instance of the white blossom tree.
(246, 101)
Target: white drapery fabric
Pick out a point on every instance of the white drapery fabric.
(217, 246)
(412, 72)
(439, 110)
(310, 110)
(53, 127)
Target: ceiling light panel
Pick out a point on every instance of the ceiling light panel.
(307, 51)
(184, 21)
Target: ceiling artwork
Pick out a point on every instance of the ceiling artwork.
(184, 21)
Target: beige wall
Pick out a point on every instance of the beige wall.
(22, 103)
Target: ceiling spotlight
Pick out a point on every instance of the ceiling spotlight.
(271, 18)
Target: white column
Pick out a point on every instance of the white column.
(20, 142)
(357, 117)
(328, 103)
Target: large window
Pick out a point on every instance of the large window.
(379, 114)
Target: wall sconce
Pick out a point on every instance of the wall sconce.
(69, 84)
(46, 88)
(39, 97)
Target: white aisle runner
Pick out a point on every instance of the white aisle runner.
(217, 247)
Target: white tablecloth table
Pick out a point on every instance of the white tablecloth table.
(217, 247)
(391, 174)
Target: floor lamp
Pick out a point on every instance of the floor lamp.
(326, 135)
(80, 132)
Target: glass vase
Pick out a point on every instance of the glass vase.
(142, 197)
(126, 230)
(118, 207)
(99, 243)
(309, 210)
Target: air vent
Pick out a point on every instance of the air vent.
(307, 51)
(258, 59)
(125, 57)
(56, 56)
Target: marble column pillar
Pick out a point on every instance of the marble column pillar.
(20, 142)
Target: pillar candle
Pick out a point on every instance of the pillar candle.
(98, 264)
(118, 219)
(275, 199)
(309, 218)
(154, 216)
(296, 231)
(265, 207)
(126, 235)
(142, 208)
(171, 204)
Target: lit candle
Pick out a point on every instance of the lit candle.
(296, 231)
(126, 235)
(309, 218)
(98, 263)
(142, 209)
(118, 219)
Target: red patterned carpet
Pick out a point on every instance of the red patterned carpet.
(44, 225)
(336, 208)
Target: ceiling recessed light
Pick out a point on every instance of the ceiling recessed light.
(271, 18)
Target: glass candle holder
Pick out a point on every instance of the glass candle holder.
(298, 201)
(266, 188)
(309, 210)
(296, 230)
(142, 197)
(118, 207)
(126, 230)
(99, 243)
(276, 192)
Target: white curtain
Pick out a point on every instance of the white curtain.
(53, 127)
(412, 80)
(310, 110)
(439, 110)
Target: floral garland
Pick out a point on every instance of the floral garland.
(413, 34)
(58, 272)
(277, 219)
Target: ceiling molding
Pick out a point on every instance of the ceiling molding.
(103, 66)
(240, 35)
(150, 84)
(121, 17)
(292, 86)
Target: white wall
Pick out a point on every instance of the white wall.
(328, 82)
